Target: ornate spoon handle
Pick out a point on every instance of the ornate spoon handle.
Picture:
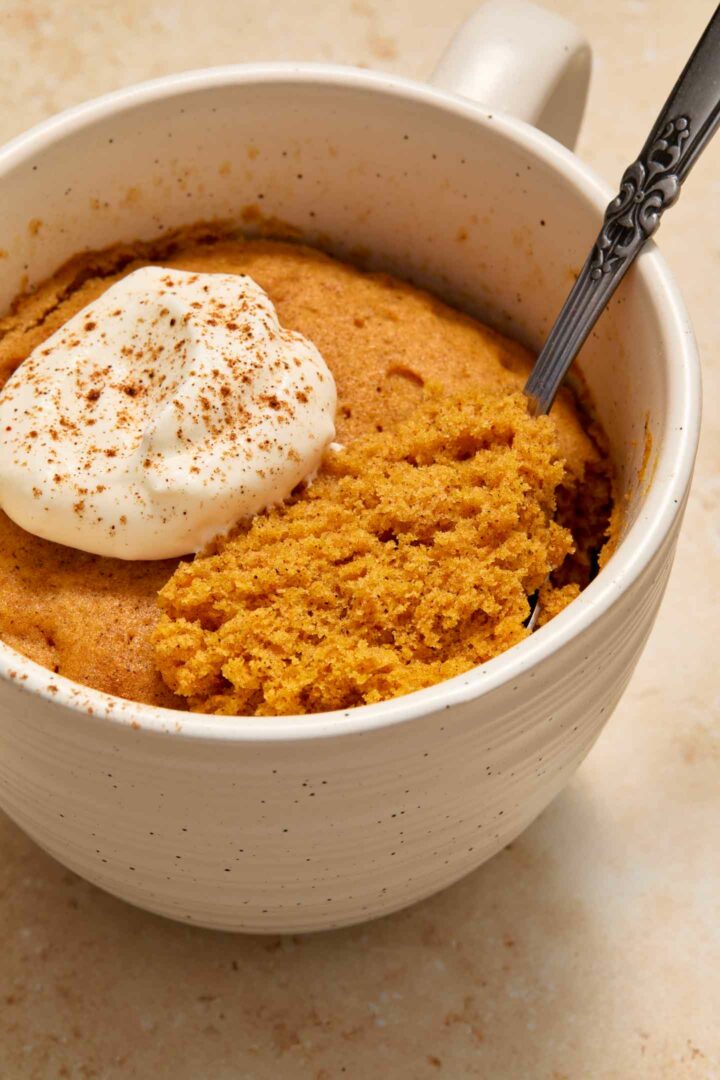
(648, 187)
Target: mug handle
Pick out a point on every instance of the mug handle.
(518, 58)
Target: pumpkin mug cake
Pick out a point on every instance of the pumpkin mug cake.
(243, 477)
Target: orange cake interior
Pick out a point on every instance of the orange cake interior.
(411, 557)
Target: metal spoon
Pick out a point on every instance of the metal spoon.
(649, 186)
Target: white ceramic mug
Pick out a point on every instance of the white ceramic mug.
(299, 823)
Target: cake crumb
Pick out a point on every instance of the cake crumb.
(554, 600)
(410, 560)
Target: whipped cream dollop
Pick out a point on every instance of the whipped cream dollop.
(167, 410)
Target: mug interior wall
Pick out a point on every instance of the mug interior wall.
(401, 184)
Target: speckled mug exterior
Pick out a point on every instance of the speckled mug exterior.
(301, 823)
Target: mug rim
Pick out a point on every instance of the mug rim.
(667, 490)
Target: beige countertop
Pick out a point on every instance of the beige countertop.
(588, 949)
